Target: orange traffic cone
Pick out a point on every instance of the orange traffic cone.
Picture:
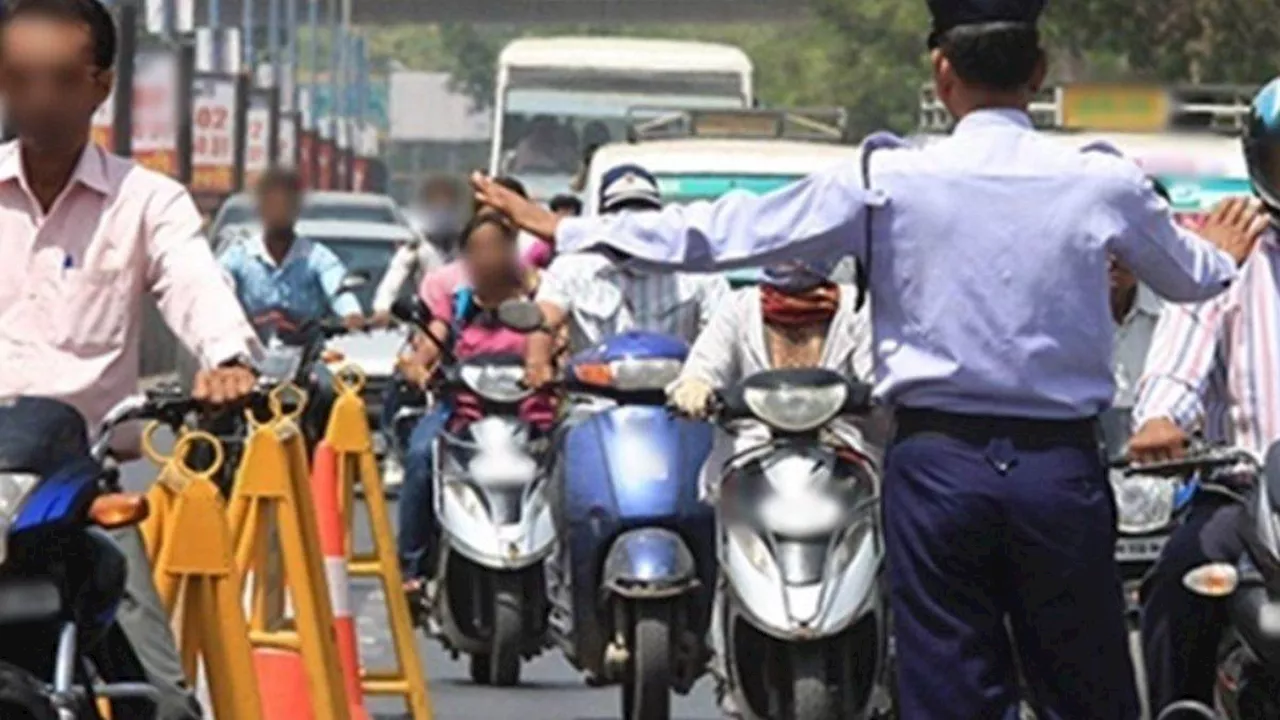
(325, 489)
(287, 696)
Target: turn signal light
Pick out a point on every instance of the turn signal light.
(117, 510)
(596, 374)
(1214, 580)
(328, 357)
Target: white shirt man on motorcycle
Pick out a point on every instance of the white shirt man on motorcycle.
(596, 295)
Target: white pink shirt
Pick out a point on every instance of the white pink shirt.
(1215, 366)
(73, 279)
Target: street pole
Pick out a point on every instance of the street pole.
(214, 10)
(273, 41)
(122, 129)
(291, 50)
(246, 23)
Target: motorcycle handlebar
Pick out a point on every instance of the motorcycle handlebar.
(1205, 458)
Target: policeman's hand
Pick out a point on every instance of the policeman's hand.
(528, 215)
(224, 385)
(538, 375)
(1235, 225)
(354, 322)
(1158, 440)
(691, 396)
(380, 319)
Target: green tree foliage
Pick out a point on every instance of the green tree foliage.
(869, 55)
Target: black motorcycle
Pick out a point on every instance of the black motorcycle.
(60, 578)
(1248, 686)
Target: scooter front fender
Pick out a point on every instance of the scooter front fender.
(648, 563)
(796, 612)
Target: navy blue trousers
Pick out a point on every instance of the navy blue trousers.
(980, 534)
(1181, 630)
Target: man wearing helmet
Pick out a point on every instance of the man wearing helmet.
(1212, 369)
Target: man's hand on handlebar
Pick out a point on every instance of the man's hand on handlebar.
(224, 385)
(354, 322)
(538, 375)
(1158, 440)
(691, 396)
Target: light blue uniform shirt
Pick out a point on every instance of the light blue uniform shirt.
(304, 286)
(989, 268)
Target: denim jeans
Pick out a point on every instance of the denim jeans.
(418, 530)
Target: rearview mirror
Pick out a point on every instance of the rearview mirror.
(411, 310)
(521, 315)
(354, 281)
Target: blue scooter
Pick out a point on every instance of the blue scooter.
(633, 580)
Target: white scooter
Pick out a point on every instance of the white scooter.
(800, 623)
(487, 590)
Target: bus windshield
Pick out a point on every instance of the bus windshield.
(548, 128)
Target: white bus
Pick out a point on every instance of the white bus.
(560, 98)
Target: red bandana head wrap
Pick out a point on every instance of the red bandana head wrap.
(797, 309)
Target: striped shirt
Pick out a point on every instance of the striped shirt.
(603, 299)
(1215, 366)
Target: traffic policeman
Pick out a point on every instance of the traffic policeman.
(987, 255)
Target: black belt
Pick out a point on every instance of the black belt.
(1026, 433)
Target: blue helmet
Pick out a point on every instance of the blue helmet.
(1262, 145)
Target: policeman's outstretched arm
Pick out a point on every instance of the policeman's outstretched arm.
(818, 216)
(1177, 263)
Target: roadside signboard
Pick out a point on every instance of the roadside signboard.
(213, 137)
(155, 110)
(257, 137)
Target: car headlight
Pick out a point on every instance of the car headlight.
(631, 375)
(14, 489)
(796, 409)
(280, 363)
(1143, 503)
(499, 383)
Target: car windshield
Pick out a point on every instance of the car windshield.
(237, 214)
(367, 256)
(684, 189)
(351, 212)
(1193, 197)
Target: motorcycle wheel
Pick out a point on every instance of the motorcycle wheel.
(502, 664)
(646, 691)
(812, 697)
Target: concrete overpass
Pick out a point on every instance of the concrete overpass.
(389, 12)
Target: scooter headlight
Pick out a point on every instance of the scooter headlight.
(499, 383)
(14, 489)
(1143, 503)
(796, 409)
(630, 375)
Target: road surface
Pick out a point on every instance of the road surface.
(551, 690)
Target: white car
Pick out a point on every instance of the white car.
(238, 213)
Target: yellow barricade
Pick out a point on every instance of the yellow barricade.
(190, 545)
(272, 489)
(349, 435)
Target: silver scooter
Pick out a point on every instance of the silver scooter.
(800, 623)
(486, 592)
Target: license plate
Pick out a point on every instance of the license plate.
(1139, 549)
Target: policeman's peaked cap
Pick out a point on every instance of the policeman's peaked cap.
(951, 14)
